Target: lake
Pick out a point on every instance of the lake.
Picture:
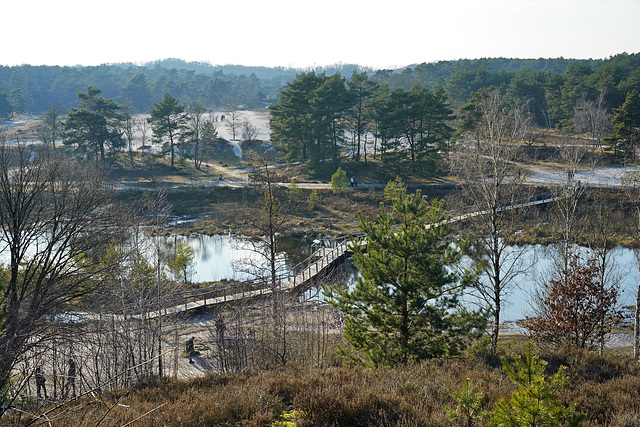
(217, 258)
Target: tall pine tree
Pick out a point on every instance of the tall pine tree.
(94, 126)
(168, 121)
(405, 306)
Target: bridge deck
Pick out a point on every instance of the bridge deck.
(323, 258)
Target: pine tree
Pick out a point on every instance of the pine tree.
(168, 121)
(626, 125)
(94, 125)
(535, 403)
(405, 305)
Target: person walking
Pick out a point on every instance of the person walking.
(190, 348)
(41, 383)
(71, 379)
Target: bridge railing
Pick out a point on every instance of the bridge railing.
(294, 277)
(321, 259)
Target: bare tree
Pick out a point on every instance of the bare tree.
(233, 119)
(129, 126)
(195, 123)
(51, 126)
(208, 136)
(53, 216)
(592, 118)
(569, 192)
(491, 183)
(267, 220)
(249, 130)
(143, 127)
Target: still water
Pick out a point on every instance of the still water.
(217, 257)
(538, 262)
(221, 257)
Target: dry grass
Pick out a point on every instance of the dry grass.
(606, 389)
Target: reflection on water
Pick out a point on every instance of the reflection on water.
(219, 257)
(216, 258)
(540, 259)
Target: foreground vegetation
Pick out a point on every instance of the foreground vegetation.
(605, 389)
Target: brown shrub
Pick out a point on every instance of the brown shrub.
(606, 389)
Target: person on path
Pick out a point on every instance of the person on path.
(40, 383)
(190, 348)
(71, 379)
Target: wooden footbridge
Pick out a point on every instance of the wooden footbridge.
(306, 273)
(309, 271)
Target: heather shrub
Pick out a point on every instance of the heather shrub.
(627, 417)
(606, 389)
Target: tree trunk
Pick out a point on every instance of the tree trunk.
(496, 326)
(636, 327)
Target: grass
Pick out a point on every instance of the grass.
(605, 388)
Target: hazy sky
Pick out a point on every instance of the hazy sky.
(303, 33)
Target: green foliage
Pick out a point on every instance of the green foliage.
(291, 129)
(138, 91)
(168, 122)
(414, 127)
(535, 403)
(5, 106)
(468, 407)
(93, 127)
(339, 181)
(181, 264)
(626, 125)
(314, 199)
(328, 107)
(293, 192)
(405, 305)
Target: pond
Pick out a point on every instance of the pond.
(216, 258)
(221, 257)
(539, 259)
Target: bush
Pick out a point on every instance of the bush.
(313, 201)
(293, 192)
(339, 182)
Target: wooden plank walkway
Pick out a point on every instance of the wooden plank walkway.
(324, 258)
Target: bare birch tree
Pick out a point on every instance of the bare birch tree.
(592, 118)
(267, 221)
(575, 173)
(249, 130)
(631, 184)
(195, 123)
(129, 127)
(491, 183)
(233, 119)
(51, 126)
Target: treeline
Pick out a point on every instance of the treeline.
(318, 117)
(410, 124)
(31, 89)
(552, 84)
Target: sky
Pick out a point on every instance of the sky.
(308, 33)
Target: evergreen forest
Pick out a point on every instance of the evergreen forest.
(554, 85)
